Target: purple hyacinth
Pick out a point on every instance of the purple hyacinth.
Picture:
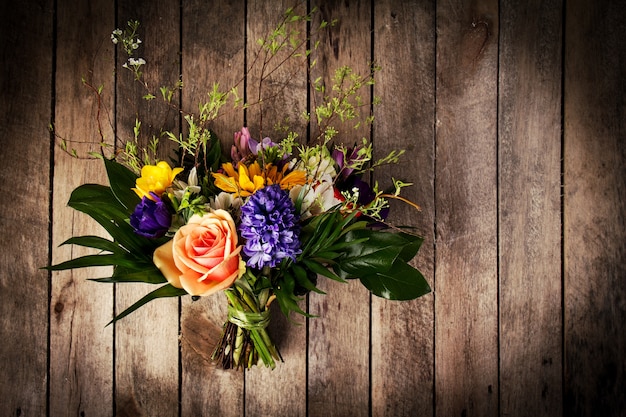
(151, 218)
(270, 228)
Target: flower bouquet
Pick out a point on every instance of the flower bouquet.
(259, 226)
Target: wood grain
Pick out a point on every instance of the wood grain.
(594, 209)
(282, 391)
(146, 342)
(26, 73)
(344, 311)
(498, 105)
(402, 332)
(81, 346)
(466, 276)
(530, 208)
(213, 51)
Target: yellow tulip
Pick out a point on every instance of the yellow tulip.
(155, 178)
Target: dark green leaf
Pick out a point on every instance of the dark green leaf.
(165, 291)
(122, 180)
(374, 251)
(371, 259)
(412, 247)
(105, 259)
(320, 269)
(327, 255)
(304, 281)
(214, 153)
(343, 245)
(288, 303)
(95, 242)
(148, 274)
(99, 203)
(400, 282)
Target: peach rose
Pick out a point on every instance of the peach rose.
(203, 257)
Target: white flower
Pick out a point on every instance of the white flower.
(315, 200)
(225, 201)
(318, 164)
(179, 188)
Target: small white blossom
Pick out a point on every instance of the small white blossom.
(135, 62)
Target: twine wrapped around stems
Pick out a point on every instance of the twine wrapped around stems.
(245, 340)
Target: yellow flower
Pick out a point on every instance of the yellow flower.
(155, 178)
(248, 179)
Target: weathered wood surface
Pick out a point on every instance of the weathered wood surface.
(594, 229)
(530, 208)
(512, 116)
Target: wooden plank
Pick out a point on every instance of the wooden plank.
(211, 53)
(402, 369)
(25, 87)
(78, 333)
(466, 314)
(530, 208)
(339, 338)
(282, 391)
(146, 342)
(594, 209)
(81, 359)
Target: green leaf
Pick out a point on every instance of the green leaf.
(214, 152)
(148, 274)
(412, 247)
(327, 255)
(400, 282)
(105, 259)
(320, 269)
(288, 303)
(165, 291)
(301, 278)
(371, 259)
(341, 246)
(122, 180)
(95, 242)
(377, 253)
(99, 203)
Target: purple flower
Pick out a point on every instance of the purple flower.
(366, 194)
(256, 147)
(151, 218)
(270, 228)
(347, 159)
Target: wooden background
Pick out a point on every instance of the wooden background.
(512, 114)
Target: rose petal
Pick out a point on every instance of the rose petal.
(163, 259)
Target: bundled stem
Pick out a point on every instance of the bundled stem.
(245, 339)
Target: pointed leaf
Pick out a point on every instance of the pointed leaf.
(412, 247)
(99, 203)
(122, 180)
(105, 259)
(321, 269)
(95, 242)
(161, 292)
(149, 275)
(301, 277)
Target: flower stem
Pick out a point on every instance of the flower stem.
(245, 339)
